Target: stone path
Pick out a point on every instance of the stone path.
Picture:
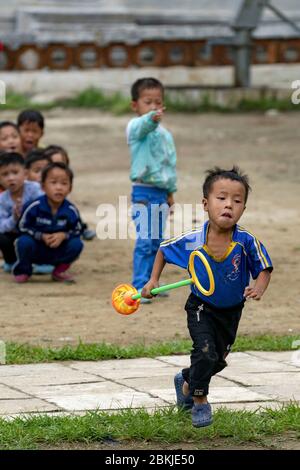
(252, 380)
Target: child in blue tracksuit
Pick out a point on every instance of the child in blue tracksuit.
(231, 255)
(153, 174)
(50, 228)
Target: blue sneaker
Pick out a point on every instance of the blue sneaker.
(7, 267)
(42, 269)
(183, 401)
(201, 415)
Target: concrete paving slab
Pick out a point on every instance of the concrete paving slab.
(126, 368)
(179, 361)
(288, 357)
(262, 378)
(146, 384)
(246, 362)
(7, 393)
(116, 364)
(29, 369)
(249, 406)
(166, 394)
(277, 361)
(217, 381)
(9, 407)
(25, 376)
(281, 391)
(235, 394)
(100, 395)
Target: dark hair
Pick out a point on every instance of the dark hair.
(53, 149)
(11, 158)
(9, 124)
(31, 115)
(52, 166)
(217, 173)
(35, 156)
(145, 84)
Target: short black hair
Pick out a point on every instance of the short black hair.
(9, 124)
(53, 149)
(145, 84)
(35, 155)
(31, 115)
(11, 158)
(52, 166)
(217, 173)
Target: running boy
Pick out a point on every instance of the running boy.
(17, 193)
(233, 254)
(50, 228)
(31, 126)
(153, 173)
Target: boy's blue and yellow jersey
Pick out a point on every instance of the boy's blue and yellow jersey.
(245, 256)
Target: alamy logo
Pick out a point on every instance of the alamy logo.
(295, 98)
(2, 92)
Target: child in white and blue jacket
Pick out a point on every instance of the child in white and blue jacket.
(153, 174)
(18, 192)
(49, 228)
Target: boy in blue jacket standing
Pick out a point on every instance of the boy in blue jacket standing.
(50, 228)
(153, 174)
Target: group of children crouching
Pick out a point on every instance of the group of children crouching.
(40, 229)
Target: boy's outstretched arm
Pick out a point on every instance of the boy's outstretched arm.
(140, 126)
(256, 292)
(159, 264)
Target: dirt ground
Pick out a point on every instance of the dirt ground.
(287, 441)
(265, 146)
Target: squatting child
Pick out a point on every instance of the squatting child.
(233, 254)
(56, 153)
(153, 173)
(50, 228)
(17, 193)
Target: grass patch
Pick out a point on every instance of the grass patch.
(118, 104)
(264, 104)
(165, 425)
(19, 101)
(94, 98)
(26, 353)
